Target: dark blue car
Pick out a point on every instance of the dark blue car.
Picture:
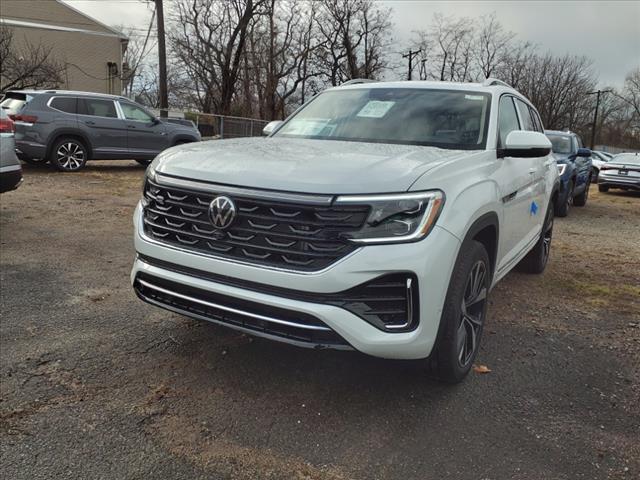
(574, 168)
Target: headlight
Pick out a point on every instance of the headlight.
(561, 168)
(396, 218)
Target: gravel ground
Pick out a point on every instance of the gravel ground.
(95, 384)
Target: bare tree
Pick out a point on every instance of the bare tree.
(354, 37)
(208, 38)
(27, 65)
(493, 45)
(447, 48)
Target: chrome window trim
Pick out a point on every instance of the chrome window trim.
(306, 199)
(237, 311)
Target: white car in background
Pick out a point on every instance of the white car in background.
(598, 159)
(622, 171)
(377, 218)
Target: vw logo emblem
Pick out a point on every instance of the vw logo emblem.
(222, 211)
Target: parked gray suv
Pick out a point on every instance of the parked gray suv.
(68, 128)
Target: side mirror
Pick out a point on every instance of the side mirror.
(584, 152)
(525, 144)
(271, 127)
(155, 121)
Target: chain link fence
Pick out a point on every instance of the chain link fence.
(220, 126)
(224, 126)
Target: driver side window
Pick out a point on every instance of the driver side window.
(131, 112)
(507, 118)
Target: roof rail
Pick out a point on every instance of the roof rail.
(490, 82)
(355, 81)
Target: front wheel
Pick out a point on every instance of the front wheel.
(463, 315)
(603, 188)
(581, 200)
(68, 155)
(564, 204)
(536, 260)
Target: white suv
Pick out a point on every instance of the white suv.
(377, 218)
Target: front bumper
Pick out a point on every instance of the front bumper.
(430, 260)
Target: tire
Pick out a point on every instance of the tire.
(463, 316)
(144, 163)
(562, 206)
(603, 188)
(581, 200)
(536, 260)
(69, 154)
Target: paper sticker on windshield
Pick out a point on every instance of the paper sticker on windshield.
(375, 109)
(474, 97)
(307, 126)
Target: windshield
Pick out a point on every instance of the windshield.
(560, 143)
(441, 118)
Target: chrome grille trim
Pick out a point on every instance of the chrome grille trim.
(177, 182)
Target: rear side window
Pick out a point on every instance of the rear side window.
(13, 102)
(525, 116)
(97, 108)
(64, 104)
(508, 119)
(536, 120)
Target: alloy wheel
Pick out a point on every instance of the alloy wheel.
(472, 313)
(71, 156)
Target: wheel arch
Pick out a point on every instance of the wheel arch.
(485, 230)
(68, 133)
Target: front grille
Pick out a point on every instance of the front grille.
(279, 234)
(256, 317)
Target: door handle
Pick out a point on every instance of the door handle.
(131, 126)
(532, 171)
(89, 122)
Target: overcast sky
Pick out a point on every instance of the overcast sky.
(606, 31)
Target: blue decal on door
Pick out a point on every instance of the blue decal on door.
(534, 209)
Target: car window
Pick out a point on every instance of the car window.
(410, 116)
(626, 158)
(560, 143)
(525, 116)
(64, 104)
(13, 102)
(131, 112)
(97, 107)
(536, 120)
(507, 117)
(579, 140)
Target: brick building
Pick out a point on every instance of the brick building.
(90, 51)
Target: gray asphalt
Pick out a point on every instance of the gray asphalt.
(97, 385)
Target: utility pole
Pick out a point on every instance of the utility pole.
(595, 115)
(162, 62)
(410, 56)
(423, 69)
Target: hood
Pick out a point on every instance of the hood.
(303, 165)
